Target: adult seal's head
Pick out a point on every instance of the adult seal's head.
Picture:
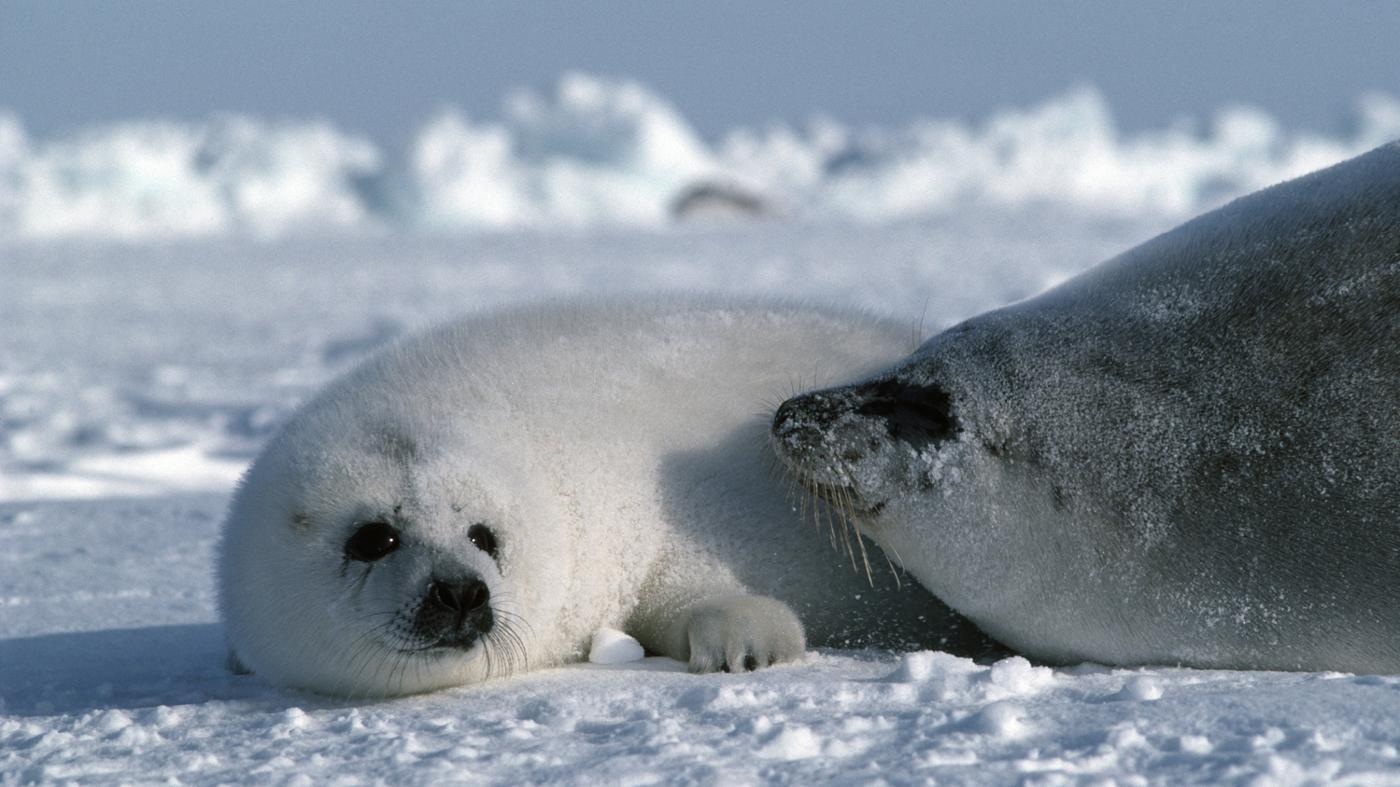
(1186, 455)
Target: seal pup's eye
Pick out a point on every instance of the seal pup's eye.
(482, 537)
(372, 541)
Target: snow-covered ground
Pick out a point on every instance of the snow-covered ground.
(138, 378)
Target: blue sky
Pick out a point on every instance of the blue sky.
(382, 68)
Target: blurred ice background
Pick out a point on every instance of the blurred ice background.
(599, 152)
(156, 121)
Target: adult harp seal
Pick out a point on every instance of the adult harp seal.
(1189, 454)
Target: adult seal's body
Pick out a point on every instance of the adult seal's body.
(1188, 454)
(484, 497)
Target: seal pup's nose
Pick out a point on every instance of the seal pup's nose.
(461, 596)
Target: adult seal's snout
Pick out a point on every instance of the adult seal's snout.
(826, 435)
(811, 428)
(806, 419)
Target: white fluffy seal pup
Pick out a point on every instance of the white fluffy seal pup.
(1189, 454)
(485, 496)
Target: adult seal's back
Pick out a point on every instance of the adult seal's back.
(1188, 454)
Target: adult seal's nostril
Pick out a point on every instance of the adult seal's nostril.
(783, 417)
(797, 413)
(805, 417)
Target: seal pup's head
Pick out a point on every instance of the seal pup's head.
(373, 551)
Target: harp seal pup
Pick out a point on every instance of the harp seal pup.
(483, 497)
(1190, 454)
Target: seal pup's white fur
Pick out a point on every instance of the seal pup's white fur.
(616, 454)
(1189, 454)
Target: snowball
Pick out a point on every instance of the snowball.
(927, 665)
(611, 646)
(1016, 675)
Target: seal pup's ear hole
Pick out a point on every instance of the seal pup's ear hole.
(301, 521)
(483, 538)
(372, 541)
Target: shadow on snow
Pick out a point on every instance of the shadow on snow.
(117, 668)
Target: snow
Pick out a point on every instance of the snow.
(610, 646)
(138, 378)
(112, 668)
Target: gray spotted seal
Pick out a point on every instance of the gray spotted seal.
(1189, 454)
(482, 498)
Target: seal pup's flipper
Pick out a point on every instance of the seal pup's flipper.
(734, 634)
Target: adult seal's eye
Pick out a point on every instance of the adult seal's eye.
(372, 541)
(482, 537)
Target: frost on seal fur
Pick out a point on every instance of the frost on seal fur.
(1189, 454)
(482, 498)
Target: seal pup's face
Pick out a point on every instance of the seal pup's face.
(360, 565)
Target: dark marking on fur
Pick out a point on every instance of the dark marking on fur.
(916, 414)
